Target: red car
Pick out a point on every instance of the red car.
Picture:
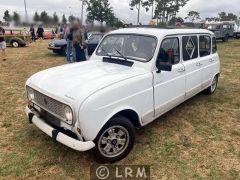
(48, 35)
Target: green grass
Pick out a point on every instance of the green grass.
(199, 139)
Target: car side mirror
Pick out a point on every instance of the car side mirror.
(163, 67)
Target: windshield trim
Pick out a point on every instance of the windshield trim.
(128, 57)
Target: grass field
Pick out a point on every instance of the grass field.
(199, 139)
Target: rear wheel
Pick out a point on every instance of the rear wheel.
(15, 44)
(212, 88)
(115, 140)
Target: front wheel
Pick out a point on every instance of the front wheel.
(15, 44)
(115, 140)
(211, 89)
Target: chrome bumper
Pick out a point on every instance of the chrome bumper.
(58, 136)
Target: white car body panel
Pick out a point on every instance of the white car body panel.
(96, 90)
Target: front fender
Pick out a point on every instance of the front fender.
(134, 94)
(19, 40)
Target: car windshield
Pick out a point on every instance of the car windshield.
(214, 26)
(135, 47)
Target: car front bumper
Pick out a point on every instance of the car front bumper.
(54, 48)
(58, 136)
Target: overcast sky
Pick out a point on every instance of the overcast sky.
(121, 8)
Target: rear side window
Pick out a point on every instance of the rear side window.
(204, 45)
(169, 51)
(214, 45)
(189, 47)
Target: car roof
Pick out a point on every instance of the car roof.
(158, 32)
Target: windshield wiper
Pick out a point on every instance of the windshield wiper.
(106, 53)
(120, 53)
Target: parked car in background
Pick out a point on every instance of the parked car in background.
(48, 34)
(222, 30)
(134, 76)
(237, 30)
(60, 46)
(17, 38)
(93, 41)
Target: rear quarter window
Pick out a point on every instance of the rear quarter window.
(189, 47)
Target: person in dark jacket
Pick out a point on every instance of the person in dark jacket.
(78, 42)
(40, 32)
(32, 33)
(70, 50)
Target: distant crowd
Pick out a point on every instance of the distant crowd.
(75, 34)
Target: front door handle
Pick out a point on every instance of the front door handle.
(181, 69)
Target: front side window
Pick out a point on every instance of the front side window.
(169, 51)
(189, 47)
(204, 45)
(135, 47)
(214, 45)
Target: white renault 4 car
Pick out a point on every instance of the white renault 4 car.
(134, 76)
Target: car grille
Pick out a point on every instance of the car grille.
(51, 105)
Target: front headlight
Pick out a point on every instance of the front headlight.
(30, 94)
(68, 114)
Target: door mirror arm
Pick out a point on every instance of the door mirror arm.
(163, 67)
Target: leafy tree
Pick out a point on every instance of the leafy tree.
(64, 19)
(44, 17)
(138, 4)
(7, 17)
(227, 17)
(55, 18)
(98, 10)
(113, 21)
(193, 16)
(36, 17)
(176, 20)
(16, 18)
(168, 9)
(71, 18)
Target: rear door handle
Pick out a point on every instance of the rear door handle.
(198, 64)
(211, 60)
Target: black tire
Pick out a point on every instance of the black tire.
(212, 88)
(64, 51)
(125, 126)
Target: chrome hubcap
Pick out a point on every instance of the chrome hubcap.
(113, 141)
(15, 44)
(214, 84)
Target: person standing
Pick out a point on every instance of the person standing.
(2, 44)
(32, 33)
(78, 42)
(61, 32)
(70, 52)
(40, 32)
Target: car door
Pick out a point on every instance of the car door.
(169, 86)
(192, 64)
(207, 60)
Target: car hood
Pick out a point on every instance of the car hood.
(59, 42)
(76, 82)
